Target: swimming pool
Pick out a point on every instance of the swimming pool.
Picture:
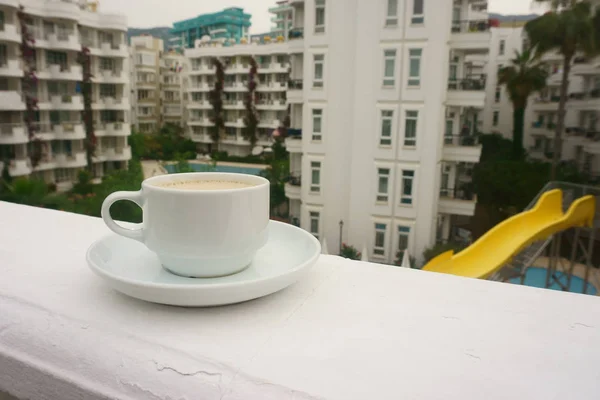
(218, 168)
(536, 277)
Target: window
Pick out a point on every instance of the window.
(315, 178)
(495, 118)
(317, 116)
(379, 245)
(418, 14)
(392, 13)
(403, 235)
(57, 58)
(502, 47)
(319, 60)
(62, 175)
(410, 128)
(414, 73)
(386, 128)
(389, 65)
(406, 196)
(107, 63)
(319, 16)
(146, 111)
(497, 94)
(314, 223)
(107, 90)
(145, 94)
(383, 179)
(3, 55)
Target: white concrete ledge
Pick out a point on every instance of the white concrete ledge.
(351, 330)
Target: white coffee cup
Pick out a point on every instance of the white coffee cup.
(199, 233)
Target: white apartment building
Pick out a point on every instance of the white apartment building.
(383, 105)
(145, 74)
(277, 96)
(581, 139)
(173, 84)
(60, 29)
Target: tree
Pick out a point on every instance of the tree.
(31, 192)
(276, 174)
(524, 77)
(569, 29)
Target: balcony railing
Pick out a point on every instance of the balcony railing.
(461, 140)
(295, 180)
(470, 26)
(294, 133)
(295, 84)
(472, 83)
(296, 33)
(458, 194)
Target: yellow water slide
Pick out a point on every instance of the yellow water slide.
(496, 248)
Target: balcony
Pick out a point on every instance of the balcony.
(202, 70)
(11, 100)
(69, 130)
(293, 143)
(583, 66)
(200, 104)
(199, 87)
(457, 202)
(469, 92)
(235, 123)
(459, 148)
(293, 188)
(116, 154)
(270, 104)
(470, 35)
(63, 40)
(200, 121)
(13, 133)
(61, 72)
(46, 163)
(231, 104)
(200, 138)
(10, 67)
(235, 87)
(546, 103)
(64, 102)
(274, 123)
(73, 160)
(294, 93)
(19, 167)
(540, 129)
(108, 49)
(111, 76)
(271, 86)
(9, 33)
(585, 101)
(111, 103)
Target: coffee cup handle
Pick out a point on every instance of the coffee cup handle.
(131, 233)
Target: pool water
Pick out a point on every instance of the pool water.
(218, 168)
(536, 277)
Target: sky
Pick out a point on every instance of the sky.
(151, 13)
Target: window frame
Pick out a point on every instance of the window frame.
(414, 81)
(383, 197)
(416, 18)
(502, 47)
(318, 61)
(314, 216)
(391, 19)
(411, 116)
(317, 114)
(407, 199)
(380, 232)
(315, 166)
(383, 139)
(495, 118)
(389, 81)
(403, 232)
(320, 11)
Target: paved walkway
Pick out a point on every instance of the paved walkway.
(152, 168)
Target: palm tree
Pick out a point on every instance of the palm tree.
(524, 77)
(568, 29)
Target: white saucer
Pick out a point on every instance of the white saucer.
(129, 267)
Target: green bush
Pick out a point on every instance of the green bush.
(350, 252)
(440, 248)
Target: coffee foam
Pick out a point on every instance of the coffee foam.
(204, 185)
